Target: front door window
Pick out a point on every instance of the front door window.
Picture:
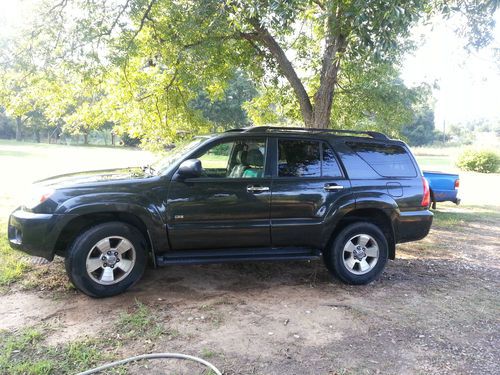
(235, 159)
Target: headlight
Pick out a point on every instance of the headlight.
(36, 196)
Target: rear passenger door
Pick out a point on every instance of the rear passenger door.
(308, 184)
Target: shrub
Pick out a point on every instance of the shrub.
(484, 161)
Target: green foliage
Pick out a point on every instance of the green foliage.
(160, 69)
(228, 111)
(7, 126)
(421, 130)
(484, 161)
(374, 97)
(461, 135)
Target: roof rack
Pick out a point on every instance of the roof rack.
(259, 129)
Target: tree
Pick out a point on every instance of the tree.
(7, 125)
(228, 111)
(310, 57)
(421, 130)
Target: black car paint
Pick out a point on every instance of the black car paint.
(177, 214)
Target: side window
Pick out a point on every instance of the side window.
(300, 158)
(330, 166)
(236, 159)
(386, 160)
(215, 161)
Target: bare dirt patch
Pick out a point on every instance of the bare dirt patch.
(434, 310)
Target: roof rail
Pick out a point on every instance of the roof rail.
(257, 129)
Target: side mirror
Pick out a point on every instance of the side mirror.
(190, 168)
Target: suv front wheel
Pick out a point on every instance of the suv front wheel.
(358, 254)
(107, 259)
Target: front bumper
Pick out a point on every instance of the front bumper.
(33, 233)
(413, 225)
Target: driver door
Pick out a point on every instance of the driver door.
(229, 205)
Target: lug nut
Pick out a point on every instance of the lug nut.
(116, 253)
(112, 266)
(109, 253)
(103, 258)
(105, 264)
(117, 260)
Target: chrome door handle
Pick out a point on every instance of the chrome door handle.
(332, 187)
(257, 189)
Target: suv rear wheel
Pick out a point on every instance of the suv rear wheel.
(358, 254)
(107, 259)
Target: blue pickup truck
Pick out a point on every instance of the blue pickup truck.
(443, 187)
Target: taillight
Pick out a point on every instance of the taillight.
(426, 199)
(457, 183)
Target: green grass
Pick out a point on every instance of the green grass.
(140, 323)
(12, 264)
(212, 161)
(474, 214)
(24, 352)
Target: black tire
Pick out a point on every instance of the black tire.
(334, 257)
(85, 243)
(433, 200)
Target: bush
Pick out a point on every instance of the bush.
(483, 161)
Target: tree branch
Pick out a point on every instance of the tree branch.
(145, 16)
(263, 36)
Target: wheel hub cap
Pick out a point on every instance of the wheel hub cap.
(359, 252)
(111, 260)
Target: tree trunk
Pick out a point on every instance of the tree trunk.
(19, 129)
(323, 99)
(85, 139)
(264, 36)
(37, 135)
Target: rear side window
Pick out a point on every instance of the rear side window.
(301, 158)
(386, 160)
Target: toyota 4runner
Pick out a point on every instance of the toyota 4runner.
(260, 193)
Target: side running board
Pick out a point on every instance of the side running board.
(236, 255)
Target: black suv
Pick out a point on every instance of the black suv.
(260, 193)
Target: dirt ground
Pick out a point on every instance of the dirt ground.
(435, 310)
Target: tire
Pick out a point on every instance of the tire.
(433, 200)
(358, 254)
(93, 259)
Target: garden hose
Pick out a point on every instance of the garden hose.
(152, 356)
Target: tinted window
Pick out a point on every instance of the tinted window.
(299, 159)
(330, 166)
(386, 160)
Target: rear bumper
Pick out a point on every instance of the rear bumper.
(34, 234)
(413, 225)
(445, 196)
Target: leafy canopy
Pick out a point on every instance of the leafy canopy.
(152, 66)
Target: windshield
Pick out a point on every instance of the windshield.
(175, 154)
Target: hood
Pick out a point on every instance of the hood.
(91, 177)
